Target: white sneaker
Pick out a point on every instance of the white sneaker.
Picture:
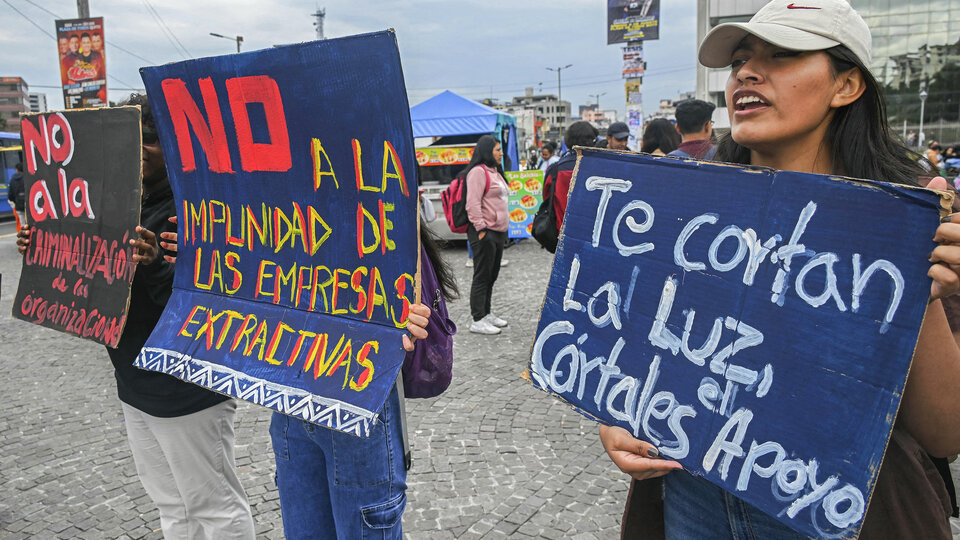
(483, 327)
(504, 262)
(494, 320)
(469, 263)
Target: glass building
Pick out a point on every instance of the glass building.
(916, 47)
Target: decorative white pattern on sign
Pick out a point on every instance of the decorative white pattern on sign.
(284, 399)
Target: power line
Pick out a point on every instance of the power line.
(31, 21)
(111, 43)
(163, 26)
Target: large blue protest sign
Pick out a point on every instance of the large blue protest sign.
(758, 327)
(293, 170)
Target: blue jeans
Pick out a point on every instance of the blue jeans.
(336, 485)
(695, 508)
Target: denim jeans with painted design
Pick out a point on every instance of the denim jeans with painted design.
(695, 508)
(336, 485)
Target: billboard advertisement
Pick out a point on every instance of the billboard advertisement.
(629, 20)
(83, 64)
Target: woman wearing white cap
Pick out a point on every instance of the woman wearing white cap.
(801, 98)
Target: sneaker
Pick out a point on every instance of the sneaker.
(483, 327)
(504, 262)
(494, 320)
(469, 263)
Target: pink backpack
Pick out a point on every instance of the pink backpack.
(454, 200)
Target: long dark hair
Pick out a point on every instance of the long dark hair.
(483, 154)
(859, 138)
(661, 134)
(445, 277)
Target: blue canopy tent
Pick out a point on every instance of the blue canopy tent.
(447, 114)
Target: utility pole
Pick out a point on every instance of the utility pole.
(83, 9)
(319, 15)
(560, 95)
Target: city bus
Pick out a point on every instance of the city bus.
(11, 153)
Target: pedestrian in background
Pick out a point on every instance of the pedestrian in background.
(487, 230)
(556, 181)
(548, 155)
(618, 134)
(659, 137)
(16, 193)
(818, 109)
(695, 126)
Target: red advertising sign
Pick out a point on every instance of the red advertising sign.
(83, 65)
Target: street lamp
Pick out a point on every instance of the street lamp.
(560, 94)
(238, 39)
(923, 102)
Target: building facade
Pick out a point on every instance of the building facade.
(13, 101)
(551, 113)
(916, 48)
(37, 102)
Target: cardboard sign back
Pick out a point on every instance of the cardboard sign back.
(756, 326)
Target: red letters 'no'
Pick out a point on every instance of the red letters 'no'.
(210, 133)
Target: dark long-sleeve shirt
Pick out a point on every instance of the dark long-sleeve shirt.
(154, 393)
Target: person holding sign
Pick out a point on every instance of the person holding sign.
(326, 477)
(487, 230)
(181, 435)
(801, 98)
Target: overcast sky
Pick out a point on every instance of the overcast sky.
(478, 49)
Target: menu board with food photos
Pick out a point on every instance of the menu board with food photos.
(525, 196)
(435, 156)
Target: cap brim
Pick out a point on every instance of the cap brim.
(619, 136)
(718, 46)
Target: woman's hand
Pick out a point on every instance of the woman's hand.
(169, 242)
(146, 246)
(639, 459)
(946, 256)
(23, 239)
(416, 325)
(482, 234)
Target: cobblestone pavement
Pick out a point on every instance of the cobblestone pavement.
(493, 458)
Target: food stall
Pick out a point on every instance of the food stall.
(454, 123)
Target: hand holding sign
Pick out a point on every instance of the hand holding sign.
(146, 246)
(639, 459)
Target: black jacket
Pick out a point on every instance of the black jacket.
(154, 393)
(16, 191)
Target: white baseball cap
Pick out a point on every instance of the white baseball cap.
(798, 25)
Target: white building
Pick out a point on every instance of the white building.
(37, 102)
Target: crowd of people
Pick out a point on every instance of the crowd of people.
(809, 89)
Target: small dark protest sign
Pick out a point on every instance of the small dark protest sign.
(82, 181)
(755, 326)
(294, 172)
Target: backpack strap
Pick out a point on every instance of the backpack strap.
(407, 455)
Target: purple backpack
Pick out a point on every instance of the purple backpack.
(428, 369)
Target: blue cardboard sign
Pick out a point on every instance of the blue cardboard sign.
(755, 326)
(293, 170)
